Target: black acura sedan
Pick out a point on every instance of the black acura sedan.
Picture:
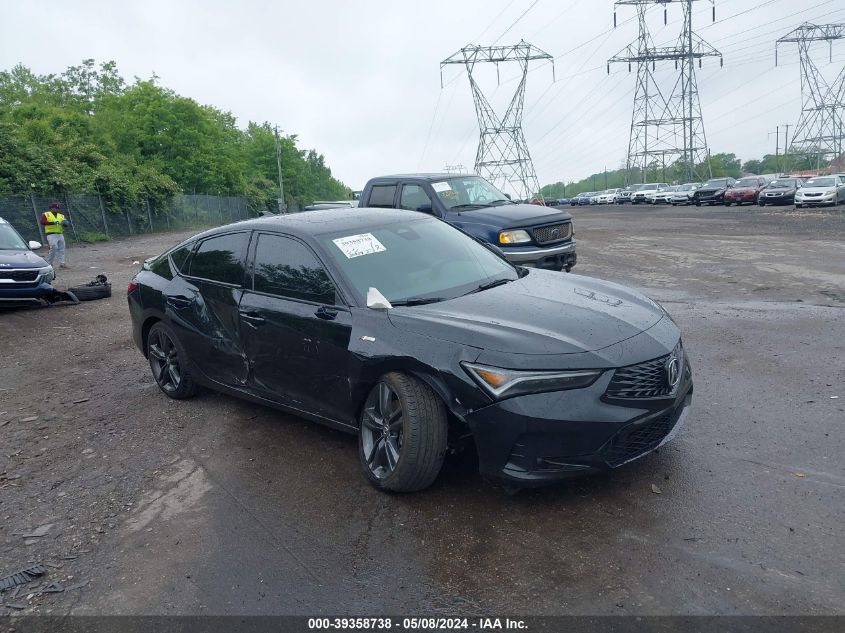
(402, 329)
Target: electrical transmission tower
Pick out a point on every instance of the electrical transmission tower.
(502, 156)
(666, 125)
(819, 132)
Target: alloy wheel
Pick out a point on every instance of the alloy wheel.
(164, 361)
(381, 430)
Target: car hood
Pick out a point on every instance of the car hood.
(511, 215)
(743, 190)
(543, 313)
(780, 188)
(818, 189)
(20, 259)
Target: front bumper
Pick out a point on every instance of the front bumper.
(740, 198)
(778, 198)
(12, 295)
(552, 258)
(821, 200)
(542, 438)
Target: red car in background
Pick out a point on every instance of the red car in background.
(745, 190)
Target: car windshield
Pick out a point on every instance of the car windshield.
(632, 187)
(686, 188)
(652, 185)
(9, 238)
(717, 182)
(820, 182)
(783, 182)
(671, 188)
(747, 182)
(467, 192)
(415, 259)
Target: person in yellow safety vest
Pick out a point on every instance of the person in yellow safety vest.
(54, 224)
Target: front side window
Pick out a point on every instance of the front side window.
(417, 259)
(382, 196)
(413, 197)
(221, 258)
(287, 268)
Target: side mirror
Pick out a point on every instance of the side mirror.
(33, 245)
(425, 208)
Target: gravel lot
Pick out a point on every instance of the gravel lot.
(218, 506)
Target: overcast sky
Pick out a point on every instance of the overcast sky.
(360, 81)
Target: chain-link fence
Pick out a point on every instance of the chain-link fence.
(93, 220)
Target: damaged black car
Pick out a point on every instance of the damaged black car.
(415, 336)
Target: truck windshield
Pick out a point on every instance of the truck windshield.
(9, 238)
(467, 192)
(414, 261)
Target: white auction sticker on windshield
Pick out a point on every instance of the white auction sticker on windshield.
(440, 187)
(358, 245)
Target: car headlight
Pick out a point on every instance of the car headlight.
(514, 237)
(47, 273)
(505, 383)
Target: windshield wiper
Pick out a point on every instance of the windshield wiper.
(417, 301)
(491, 284)
(503, 201)
(469, 206)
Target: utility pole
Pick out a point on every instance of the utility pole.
(503, 156)
(666, 123)
(283, 208)
(454, 169)
(818, 132)
(785, 149)
(605, 177)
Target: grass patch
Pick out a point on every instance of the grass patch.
(90, 237)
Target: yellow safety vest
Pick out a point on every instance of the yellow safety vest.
(54, 228)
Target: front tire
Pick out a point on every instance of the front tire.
(402, 434)
(168, 363)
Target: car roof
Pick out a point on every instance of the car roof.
(424, 176)
(311, 223)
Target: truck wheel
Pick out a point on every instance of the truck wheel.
(402, 434)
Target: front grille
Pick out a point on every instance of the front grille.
(637, 439)
(19, 275)
(553, 233)
(645, 380)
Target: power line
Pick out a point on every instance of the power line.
(515, 22)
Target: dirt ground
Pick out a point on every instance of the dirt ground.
(137, 504)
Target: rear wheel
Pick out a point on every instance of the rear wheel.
(168, 363)
(402, 434)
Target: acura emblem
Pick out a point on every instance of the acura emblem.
(673, 371)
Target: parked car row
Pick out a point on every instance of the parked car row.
(817, 191)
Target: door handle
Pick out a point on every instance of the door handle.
(327, 314)
(252, 318)
(179, 302)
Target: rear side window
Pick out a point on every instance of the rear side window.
(221, 258)
(382, 196)
(287, 268)
(161, 267)
(180, 257)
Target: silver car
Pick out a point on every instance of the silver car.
(683, 194)
(821, 191)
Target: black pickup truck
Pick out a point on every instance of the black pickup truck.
(527, 234)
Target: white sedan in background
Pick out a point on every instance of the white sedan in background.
(683, 194)
(822, 191)
(608, 196)
(663, 196)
